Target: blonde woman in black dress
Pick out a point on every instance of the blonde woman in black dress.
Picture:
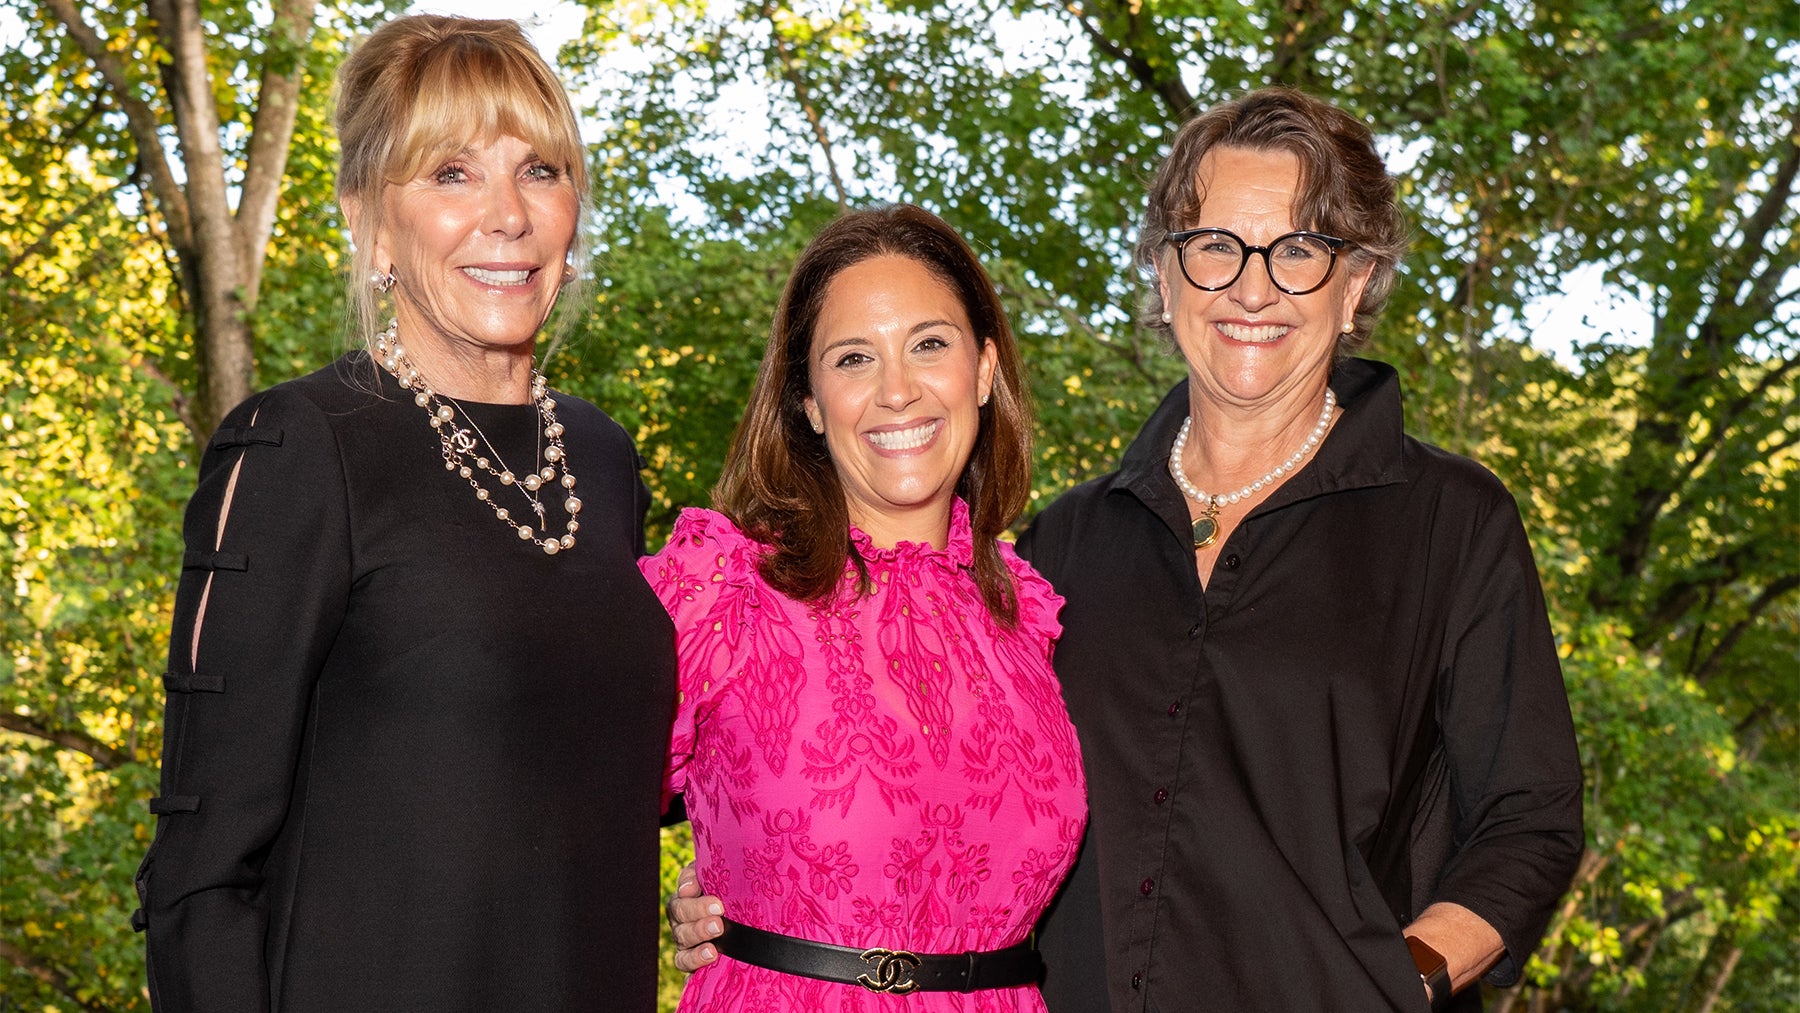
(403, 767)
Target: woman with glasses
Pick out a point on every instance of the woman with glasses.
(1330, 760)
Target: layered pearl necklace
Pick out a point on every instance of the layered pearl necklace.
(460, 447)
(1206, 528)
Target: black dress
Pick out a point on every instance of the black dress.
(411, 762)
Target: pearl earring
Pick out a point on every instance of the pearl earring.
(382, 281)
(1167, 317)
(1349, 327)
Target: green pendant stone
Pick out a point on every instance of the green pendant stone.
(1205, 530)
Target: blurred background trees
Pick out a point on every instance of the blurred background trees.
(1600, 305)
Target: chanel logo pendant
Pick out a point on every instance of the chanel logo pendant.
(1206, 526)
(893, 971)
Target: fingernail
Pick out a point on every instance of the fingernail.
(714, 928)
(707, 953)
(715, 909)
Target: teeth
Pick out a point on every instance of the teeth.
(1262, 334)
(498, 277)
(905, 439)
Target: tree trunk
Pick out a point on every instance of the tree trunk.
(1726, 966)
(220, 251)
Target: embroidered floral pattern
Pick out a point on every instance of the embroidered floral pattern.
(893, 770)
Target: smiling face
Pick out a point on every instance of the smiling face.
(1251, 342)
(898, 376)
(476, 244)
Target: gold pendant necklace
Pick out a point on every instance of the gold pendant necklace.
(1206, 526)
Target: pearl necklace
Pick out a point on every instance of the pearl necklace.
(1206, 528)
(459, 447)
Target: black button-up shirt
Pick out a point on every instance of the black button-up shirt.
(1360, 715)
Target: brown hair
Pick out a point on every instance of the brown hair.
(424, 86)
(1345, 189)
(779, 486)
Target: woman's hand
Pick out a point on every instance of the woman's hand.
(694, 918)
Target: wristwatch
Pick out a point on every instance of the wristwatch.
(1434, 971)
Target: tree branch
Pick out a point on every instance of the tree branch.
(139, 118)
(1775, 203)
(44, 972)
(75, 128)
(1304, 31)
(790, 72)
(1718, 570)
(1764, 601)
(104, 756)
(1722, 429)
(1168, 87)
(271, 134)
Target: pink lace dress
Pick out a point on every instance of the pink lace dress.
(895, 771)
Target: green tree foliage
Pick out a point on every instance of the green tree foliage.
(105, 387)
(1654, 142)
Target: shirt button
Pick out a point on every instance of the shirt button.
(1161, 796)
(1147, 886)
(1175, 708)
(1194, 632)
(1231, 562)
(1137, 980)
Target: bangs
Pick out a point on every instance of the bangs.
(467, 93)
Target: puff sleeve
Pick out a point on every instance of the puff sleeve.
(706, 579)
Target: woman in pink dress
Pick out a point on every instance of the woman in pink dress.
(884, 785)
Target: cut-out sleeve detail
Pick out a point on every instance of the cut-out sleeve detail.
(203, 560)
(275, 489)
(244, 436)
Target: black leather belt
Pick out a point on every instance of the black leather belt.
(882, 970)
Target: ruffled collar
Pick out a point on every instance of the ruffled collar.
(958, 550)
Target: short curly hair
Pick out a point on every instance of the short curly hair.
(1345, 190)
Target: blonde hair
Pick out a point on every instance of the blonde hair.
(425, 86)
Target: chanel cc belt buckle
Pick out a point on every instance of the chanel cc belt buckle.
(892, 971)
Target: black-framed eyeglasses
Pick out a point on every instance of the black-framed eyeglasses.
(1298, 263)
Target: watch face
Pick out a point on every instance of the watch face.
(1426, 959)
